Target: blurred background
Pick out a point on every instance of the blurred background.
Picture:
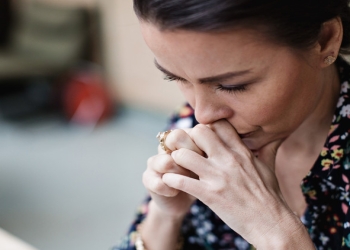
(80, 105)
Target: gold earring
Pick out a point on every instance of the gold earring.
(329, 60)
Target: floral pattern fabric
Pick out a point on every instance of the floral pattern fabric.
(326, 190)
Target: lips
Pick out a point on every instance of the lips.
(251, 140)
(245, 135)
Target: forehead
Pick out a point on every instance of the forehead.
(193, 40)
(201, 52)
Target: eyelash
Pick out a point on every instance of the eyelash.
(173, 78)
(238, 88)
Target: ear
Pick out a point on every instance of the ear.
(329, 41)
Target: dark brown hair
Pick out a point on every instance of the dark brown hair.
(293, 23)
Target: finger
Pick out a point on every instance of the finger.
(228, 135)
(192, 162)
(188, 185)
(160, 150)
(207, 140)
(179, 138)
(164, 163)
(267, 154)
(154, 183)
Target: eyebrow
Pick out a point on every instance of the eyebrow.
(211, 79)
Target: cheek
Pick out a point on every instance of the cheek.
(279, 110)
(263, 112)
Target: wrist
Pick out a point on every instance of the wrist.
(140, 245)
(159, 231)
(161, 215)
(289, 234)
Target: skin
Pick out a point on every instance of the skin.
(248, 141)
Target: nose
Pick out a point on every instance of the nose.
(209, 110)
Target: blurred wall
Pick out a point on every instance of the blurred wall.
(132, 77)
(130, 63)
(88, 3)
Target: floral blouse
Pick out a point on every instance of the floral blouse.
(326, 190)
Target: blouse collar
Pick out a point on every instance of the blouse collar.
(335, 152)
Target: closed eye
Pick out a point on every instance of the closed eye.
(171, 78)
(231, 89)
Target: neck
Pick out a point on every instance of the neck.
(309, 137)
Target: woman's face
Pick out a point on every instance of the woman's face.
(265, 91)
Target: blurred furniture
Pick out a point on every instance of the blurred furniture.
(10, 242)
(5, 21)
(46, 40)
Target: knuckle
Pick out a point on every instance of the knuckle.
(248, 154)
(145, 178)
(150, 161)
(176, 136)
(166, 165)
(156, 186)
(243, 156)
(172, 135)
(160, 163)
(181, 153)
(176, 133)
(244, 152)
(180, 135)
(230, 159)
(181, 183)
(199, 129)
(219, 188)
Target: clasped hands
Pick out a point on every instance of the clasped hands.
(212, 164)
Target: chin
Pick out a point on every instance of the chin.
(252, 144)
(255, 144)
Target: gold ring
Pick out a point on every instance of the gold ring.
(161, 136)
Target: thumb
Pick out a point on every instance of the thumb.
(267, 154)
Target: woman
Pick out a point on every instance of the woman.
(262, 79)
